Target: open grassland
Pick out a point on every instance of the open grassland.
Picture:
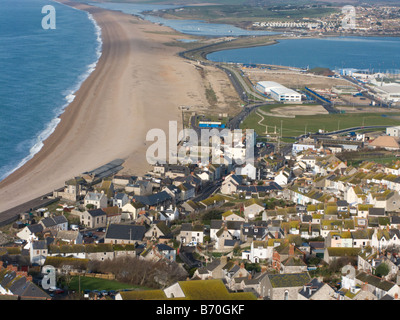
(292, 127)
(89, 283)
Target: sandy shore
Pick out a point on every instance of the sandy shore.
(138, 84)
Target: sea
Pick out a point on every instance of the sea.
(41, 69)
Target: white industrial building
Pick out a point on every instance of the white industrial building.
(278, 92)
(389, 92)
(393, 131)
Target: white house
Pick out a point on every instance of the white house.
(97, 199)
(120, 199)
(248, 170)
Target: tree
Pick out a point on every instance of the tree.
(382, 270)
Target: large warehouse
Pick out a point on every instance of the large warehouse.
(278, 92)
(389, 92)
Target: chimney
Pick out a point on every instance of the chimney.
(242, 265)
(22, 273)
(249, 276)
(276, 235)
(12, 268)
(291, 249)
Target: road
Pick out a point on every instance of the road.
(208, 191)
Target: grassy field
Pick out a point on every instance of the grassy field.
(301, 124)
(89, 283)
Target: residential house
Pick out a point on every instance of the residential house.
(285, 286)
(169, 214)
(234, 227)
(157, 199)
(316, 290)
(157, 231)
(73, 189)
(17, 285)
(223, 237)
(120, 200)
(187, 191)
(252, 208)
(231, 216)
(30, 232)
(331, 254)
(123, 180)
(141, 188)
(193, 207)
(133, 209)
(259, 251)
(113, 214)
(95, 218)
(284, 251)
(38, 252)
(54, 223)
(96, 199)
(377, 286)
(248, 170)
(283, 176)
(230, 184)
(191, 234)
(158, 252)
(388, 199)
(69, 236)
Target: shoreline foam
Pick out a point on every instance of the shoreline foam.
(69, 97)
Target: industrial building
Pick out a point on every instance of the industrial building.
(278, 92)
(393, 131)
(389, 92)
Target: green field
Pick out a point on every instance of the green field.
(293, 127)
(89, 283)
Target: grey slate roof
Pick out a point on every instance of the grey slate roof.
(376, 211)
(35, 228)
(39, 245)
(154, 199)
(96, 212)
(125, 232)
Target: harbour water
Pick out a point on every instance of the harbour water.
(376, 54)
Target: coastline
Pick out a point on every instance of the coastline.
(51, 126)
(137, 85)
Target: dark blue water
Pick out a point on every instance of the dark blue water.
(373, 53)
(39, 72)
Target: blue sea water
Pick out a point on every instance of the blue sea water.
(372, 53)
(39, 72)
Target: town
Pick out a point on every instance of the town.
(368, 20)
(300, 225)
